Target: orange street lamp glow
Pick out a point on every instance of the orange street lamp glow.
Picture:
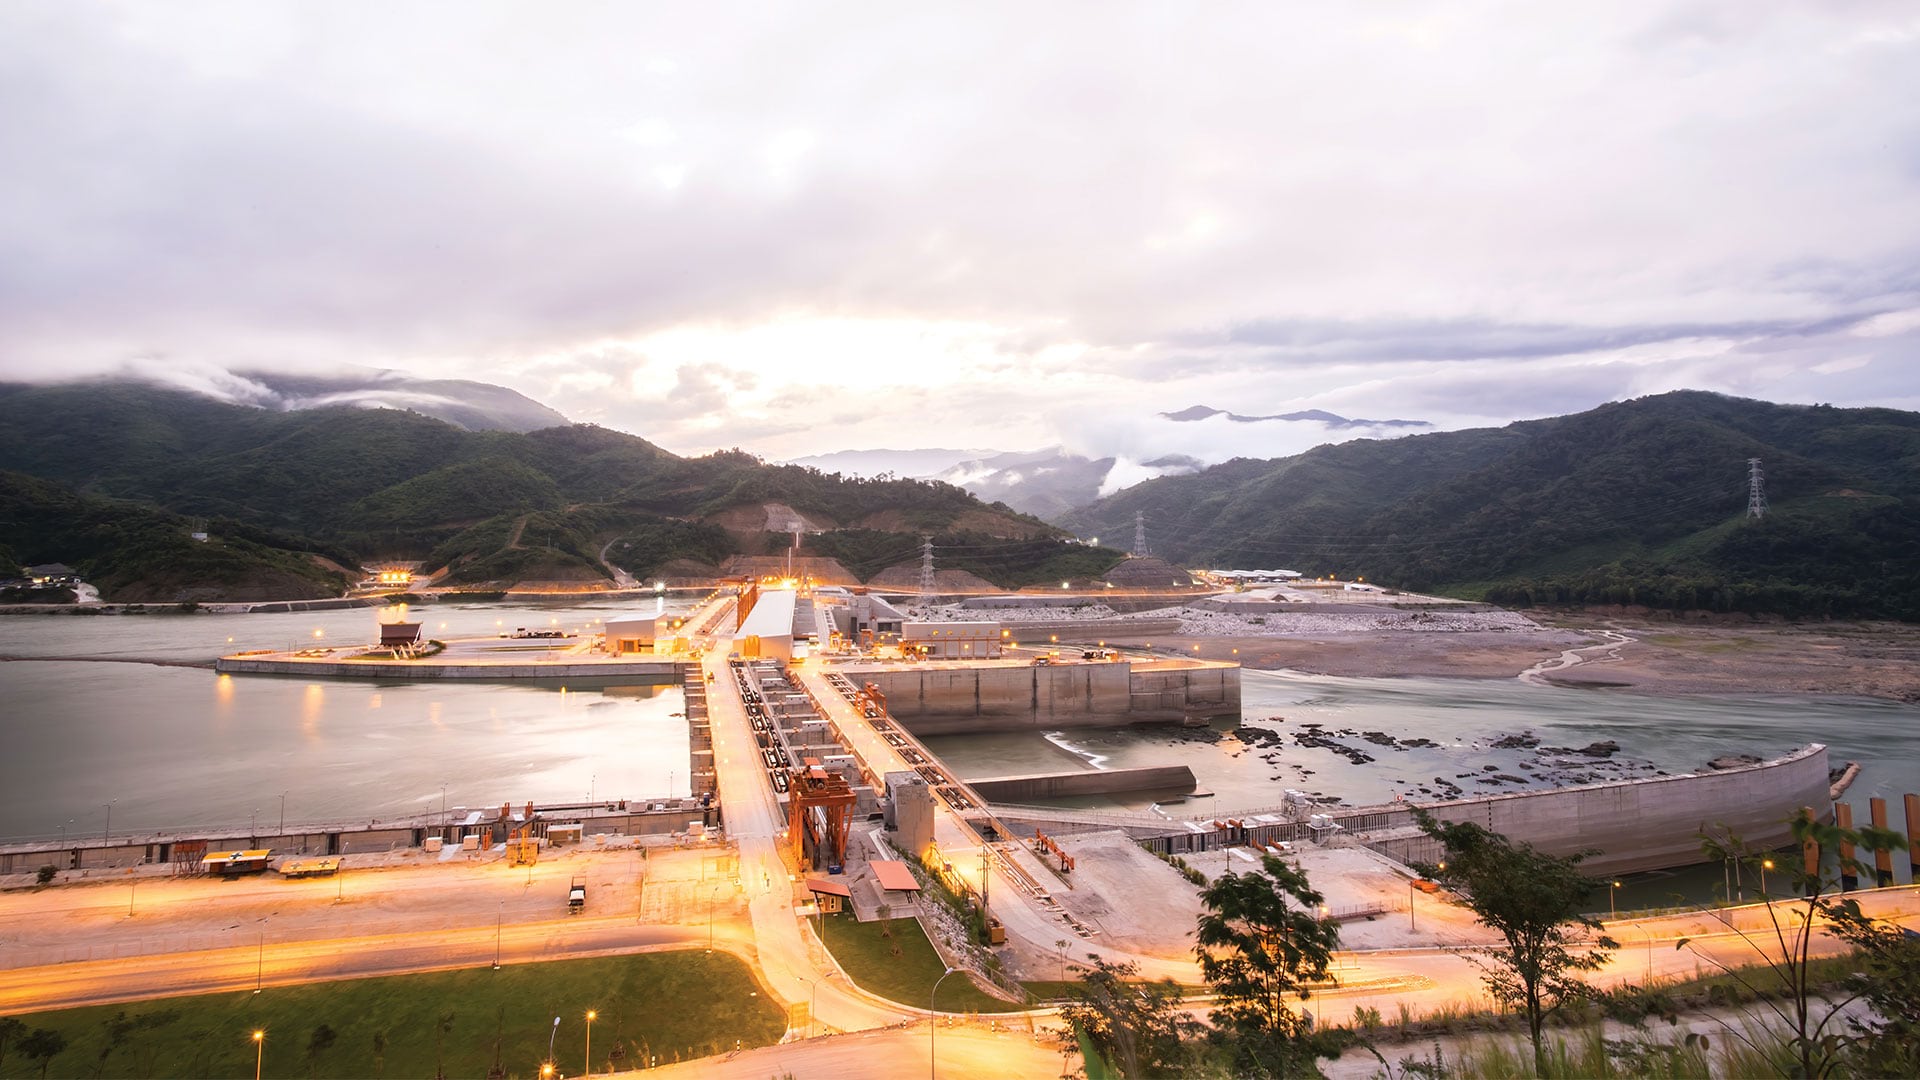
(591, 1015)
(259, 1048)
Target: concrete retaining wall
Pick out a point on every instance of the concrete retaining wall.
(660, 671)
(1085, 782)
(934, 700)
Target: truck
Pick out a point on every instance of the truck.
(577, 895)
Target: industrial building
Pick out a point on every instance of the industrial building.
(645, 634)
(951, 640)
(768, 628)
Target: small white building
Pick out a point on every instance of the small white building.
(630, 634)
(952, 640)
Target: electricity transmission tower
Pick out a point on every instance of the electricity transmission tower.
(1756, 489)
(1139, 534)
(926, 573)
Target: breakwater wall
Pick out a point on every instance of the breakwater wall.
(931, 699)
(1084, 782)
(659, 671)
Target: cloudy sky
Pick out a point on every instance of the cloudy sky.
(810, 227)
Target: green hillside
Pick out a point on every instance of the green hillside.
(493, 506)
(1639, 502)
(137, 554)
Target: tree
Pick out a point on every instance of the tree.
(118, 1026)
(46, 874)
(1534, 901)
(1886, 1041)
(1260, 942)
(11, 1028)
(43, 1045)
(1785, 949)
(321, 1041)
(1135, 1029)
(440, 1029)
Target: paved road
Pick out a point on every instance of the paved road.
(792, 962)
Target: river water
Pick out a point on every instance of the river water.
(184, 747)
(178, 747)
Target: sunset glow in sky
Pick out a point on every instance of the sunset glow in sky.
(797, 228)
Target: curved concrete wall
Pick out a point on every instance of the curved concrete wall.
(1646, 824)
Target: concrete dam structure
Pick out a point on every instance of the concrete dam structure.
(937, 699)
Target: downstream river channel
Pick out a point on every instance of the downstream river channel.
(101, 718)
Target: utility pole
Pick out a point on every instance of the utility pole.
(1139, 534)
(1756, 489)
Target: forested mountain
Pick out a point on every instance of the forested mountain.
(1636, 502)
(492, 505)
(140, 554)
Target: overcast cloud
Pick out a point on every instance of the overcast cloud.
(809, 227)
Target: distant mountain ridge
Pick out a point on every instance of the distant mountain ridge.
(1050, 482)
(1333, 420)
(553, 505)
(475, 406)
(1638, 502)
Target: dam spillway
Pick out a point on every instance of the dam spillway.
(933, 698)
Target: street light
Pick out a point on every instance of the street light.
(591, 1014)
(1765, 865)
(933, 1020)
(1612, 911)
(259, 1049)
(499, 918)
(283, 813)
(546, 1067)
(106, 834)
(712, 896)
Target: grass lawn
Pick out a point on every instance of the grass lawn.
(907, 978)
(673, 1005)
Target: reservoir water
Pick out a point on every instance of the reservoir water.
(180, 747)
